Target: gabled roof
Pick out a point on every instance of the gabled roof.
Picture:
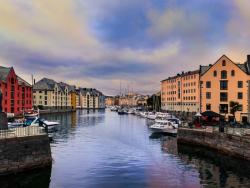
(182, 74)
(45, 84)
(243, 67)
(71, 88)
(91, 91)
(4, 72)
(22, 81)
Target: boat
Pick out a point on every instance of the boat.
(131, 111)
(31, 113)
(36, 121)
(144, 114)
(166, 127)
(151, 116)
(113, 108)
(121, 112)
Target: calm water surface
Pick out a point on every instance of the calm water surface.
(98, 149)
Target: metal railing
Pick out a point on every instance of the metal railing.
(21, 132)
(239, 130)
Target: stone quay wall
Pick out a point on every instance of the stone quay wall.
(233, 145)
(20, 154)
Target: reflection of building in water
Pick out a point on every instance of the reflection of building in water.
(39, 177)
(216, 170)
(73, 119)
(170, 145)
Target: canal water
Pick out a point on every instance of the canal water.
(100, 149)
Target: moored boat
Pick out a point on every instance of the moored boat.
(166, 127)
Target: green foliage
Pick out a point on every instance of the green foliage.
(154, 103)
(234, 107)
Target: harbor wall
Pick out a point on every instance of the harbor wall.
(233, 145)
(3, 121)
(24, 153)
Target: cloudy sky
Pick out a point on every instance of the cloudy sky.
(100, 43)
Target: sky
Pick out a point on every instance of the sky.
(102, 43)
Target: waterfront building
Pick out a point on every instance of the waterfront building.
(226, 81)
(72, 94)
(48, 94)
(78, 104)
(181, 93)
(110, 101)
(132, 99)
(90, 98)
(17, 93)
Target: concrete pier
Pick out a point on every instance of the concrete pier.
(23, 150)
(233, 145)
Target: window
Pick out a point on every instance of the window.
(223, 74)
(224, 108)
(223, 96)
(240, 84)
(215, 73)
(208, 95)
(224, 63)
(240, 108)
(232, 73)
(223, 85)
(208, 84)
(208, 106)
(240, 95)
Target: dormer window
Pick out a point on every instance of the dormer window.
(224, 63)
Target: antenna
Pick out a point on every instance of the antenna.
(120, 88)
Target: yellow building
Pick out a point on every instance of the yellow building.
(48, 94)
(226, 81)
(90, 98)
(181, 93)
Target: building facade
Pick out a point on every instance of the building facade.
(226, 81)
(181, 93)
(110, 101)
(90, 98)
(48, 94)
(17, 93)
(72, 94)
(132, 100)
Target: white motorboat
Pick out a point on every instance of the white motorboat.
(144, 114)
(31, 113)
(167, 127)
(151, 116)
(162, 115)
(131, 111)
(114, 108)
(36, 121)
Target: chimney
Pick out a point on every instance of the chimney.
(248, 58)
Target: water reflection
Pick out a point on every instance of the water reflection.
(36, 178)
(216, 170)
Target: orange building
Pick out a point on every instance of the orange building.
(226, 81)
(110, 101)
(181, 93)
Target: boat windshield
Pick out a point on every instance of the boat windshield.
(29, 121)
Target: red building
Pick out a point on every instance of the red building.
(17, 93)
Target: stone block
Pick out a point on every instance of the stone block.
(3, 121)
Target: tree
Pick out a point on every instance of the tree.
(154, 103)
(234, 107)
